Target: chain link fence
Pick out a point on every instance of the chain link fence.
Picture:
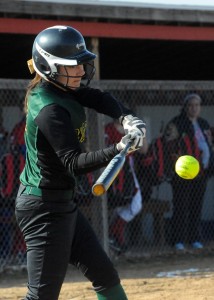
(148, 210)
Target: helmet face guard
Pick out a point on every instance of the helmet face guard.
(61, 46)
(89, 70)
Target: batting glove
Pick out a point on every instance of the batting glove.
(135, 138)
(131, 123)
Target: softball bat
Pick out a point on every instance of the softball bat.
(110, 172)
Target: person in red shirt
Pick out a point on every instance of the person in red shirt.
(11, 165)
(18, 134)
(3, 140)
(124, 196)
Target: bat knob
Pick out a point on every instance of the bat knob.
(98, 189)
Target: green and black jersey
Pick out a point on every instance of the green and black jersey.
(55, 129)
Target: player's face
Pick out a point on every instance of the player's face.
(193, 108)
(71, 76)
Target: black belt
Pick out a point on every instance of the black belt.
(31, 190)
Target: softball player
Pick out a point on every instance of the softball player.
(55, 232)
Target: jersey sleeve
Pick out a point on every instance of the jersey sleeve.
(53, 122)
(102, 102)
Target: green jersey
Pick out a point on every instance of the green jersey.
(55, 129)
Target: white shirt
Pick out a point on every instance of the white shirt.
(202, 144)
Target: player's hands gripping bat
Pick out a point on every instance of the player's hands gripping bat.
(136, 138)
(131, 123)
(128, 143)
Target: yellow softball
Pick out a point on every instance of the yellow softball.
(187, 167)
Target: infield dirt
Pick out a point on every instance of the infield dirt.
(186, 277)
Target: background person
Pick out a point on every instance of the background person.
(11, 165)
(156, 165)
(124, 196)
(55, 231)
(18, 134)
(193, 137)
(3, 140)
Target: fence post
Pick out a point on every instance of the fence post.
(101, 126)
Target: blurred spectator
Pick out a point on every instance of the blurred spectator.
(11, 165)
(18, 134)
(3, 140)
(191, 135)
(157, 164)
(124, 196)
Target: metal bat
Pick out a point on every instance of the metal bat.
(110, 173)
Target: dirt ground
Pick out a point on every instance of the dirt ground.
(178, 277)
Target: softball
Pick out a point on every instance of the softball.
(187, 167)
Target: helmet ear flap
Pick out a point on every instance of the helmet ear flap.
(45, 69)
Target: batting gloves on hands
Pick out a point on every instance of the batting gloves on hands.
(131, 123)
(135, 138)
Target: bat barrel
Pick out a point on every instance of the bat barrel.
(108, 176)
(98, 189)
(110, 173)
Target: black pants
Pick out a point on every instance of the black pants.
(57, 234)
(188, 198)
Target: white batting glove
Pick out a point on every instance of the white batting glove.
(131, 123)
(135, 138)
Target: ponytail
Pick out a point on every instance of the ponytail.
(31, 85)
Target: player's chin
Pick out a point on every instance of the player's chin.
(74, 85)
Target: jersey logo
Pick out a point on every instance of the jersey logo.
(80, 46)
(81, 132)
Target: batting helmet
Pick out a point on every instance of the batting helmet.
(64, 46)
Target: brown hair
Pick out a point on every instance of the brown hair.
(31, 85)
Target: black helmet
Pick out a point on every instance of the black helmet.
(64, 46)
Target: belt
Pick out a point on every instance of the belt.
(31, 190)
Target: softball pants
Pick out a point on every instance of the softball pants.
(57, 234)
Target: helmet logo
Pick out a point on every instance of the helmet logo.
(80, 46)
(41, 51)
